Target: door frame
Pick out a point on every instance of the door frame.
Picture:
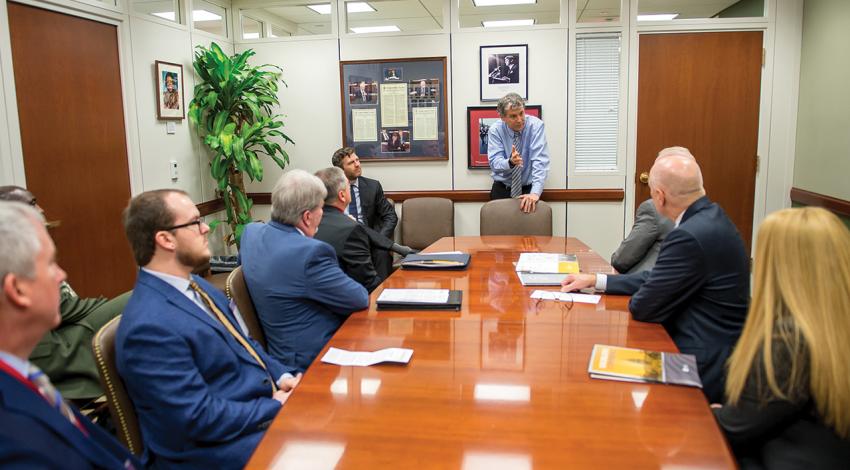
(10, 124)
(782, 39)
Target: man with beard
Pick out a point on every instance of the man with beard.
(204, 391)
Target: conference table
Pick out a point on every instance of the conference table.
(502, 383)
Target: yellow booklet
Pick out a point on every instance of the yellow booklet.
(554, 263)
(639, 365)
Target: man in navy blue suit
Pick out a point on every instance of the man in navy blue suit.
(38, 429)
(204, 391)
(699, 288)
(300, 292)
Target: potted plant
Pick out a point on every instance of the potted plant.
(232, 111)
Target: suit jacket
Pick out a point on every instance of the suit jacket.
(766, 431)
(699, 290)
(300, 293)
(352, 246)
(639, 250)
(377, 211)
(35, 435)
(201, 398)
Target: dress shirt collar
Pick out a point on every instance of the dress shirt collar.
(20, 366)
(679, 219)
(179, 283)
(356, 182)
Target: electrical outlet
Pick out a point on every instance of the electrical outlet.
(172, 167)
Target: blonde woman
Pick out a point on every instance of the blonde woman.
(788, 388)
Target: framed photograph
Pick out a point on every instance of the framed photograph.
(169, 91)
(478, 122)
(504, 69)
(395, 109)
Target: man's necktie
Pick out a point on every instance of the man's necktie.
(229, 327)
(352, 206)
(53, 397)
(516, 174)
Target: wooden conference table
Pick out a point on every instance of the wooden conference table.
(501, 384)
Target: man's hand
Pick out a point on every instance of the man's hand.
(288, 383)
(574, 282)
(528, 202)
(281, 396)
(516, 158)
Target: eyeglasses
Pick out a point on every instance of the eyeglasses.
(197, 222)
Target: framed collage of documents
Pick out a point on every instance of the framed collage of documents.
(395, 109)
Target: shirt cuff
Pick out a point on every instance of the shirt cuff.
(285, 375)
(601, 282)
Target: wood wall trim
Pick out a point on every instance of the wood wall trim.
(462, 195)
(808, 198)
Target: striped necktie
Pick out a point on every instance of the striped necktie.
(352, 206)
(230, 328)
(53, 397)
(516, 174)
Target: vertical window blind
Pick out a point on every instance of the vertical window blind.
(597, 100)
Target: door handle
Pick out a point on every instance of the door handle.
(644, 178)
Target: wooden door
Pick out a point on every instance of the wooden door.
(701, 91)
(71, 114)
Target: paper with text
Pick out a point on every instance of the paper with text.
(341, 357)
(566, 296)
(422, 296)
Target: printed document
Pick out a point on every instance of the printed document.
(341, 357)
(566, 296)
(424, 296)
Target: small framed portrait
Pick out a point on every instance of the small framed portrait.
(504, 69)
(169, 91)
(395, 140)
(424, 92)
(362, 91)
(478, 122)
(393, 74)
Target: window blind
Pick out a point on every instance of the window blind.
(597, 99)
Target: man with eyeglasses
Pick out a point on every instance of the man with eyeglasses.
(65, 352)
(203, 389)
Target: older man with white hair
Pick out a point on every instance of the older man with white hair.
(301, 294)
(699, 287)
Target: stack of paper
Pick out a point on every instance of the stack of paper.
(556, 263)
(341, 357)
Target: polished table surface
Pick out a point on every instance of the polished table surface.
(502, 383)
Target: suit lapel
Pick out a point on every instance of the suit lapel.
(182, 302)
(20, 399)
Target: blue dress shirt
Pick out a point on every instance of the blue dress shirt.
(532, 146)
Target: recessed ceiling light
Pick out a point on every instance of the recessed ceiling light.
(504, 23)
(358, 7)
(492, 3)
(375, 29)
(657, 17)
(321, 8)
(168, 15)
(203, 15)
(251, 36)
(351, 7)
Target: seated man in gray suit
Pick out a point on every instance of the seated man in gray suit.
(639, 250)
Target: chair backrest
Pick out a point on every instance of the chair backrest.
(120, 405)
(504, 217)
(425, 220)
(237, 290)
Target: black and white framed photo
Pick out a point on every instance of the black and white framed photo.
(504, 69)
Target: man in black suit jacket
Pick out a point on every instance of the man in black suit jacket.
(348, 238)
(37, 428)
(699, 288)
(368, 204)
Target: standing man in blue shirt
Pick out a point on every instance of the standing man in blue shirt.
(518, 154)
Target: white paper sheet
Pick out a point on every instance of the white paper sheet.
(424, 296)
(566, 296)
(394, 105)
(364, 123)
(341, 357)
(424, 123)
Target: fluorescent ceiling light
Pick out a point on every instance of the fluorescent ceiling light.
(351, 7)
(375, 29)
(493, 3)
(358, 7)
(321, 8)
(168, 15)
(504, 23)
(657, 17)
(251, 36)
(203, 15)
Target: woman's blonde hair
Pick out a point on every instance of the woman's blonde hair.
(801, 300)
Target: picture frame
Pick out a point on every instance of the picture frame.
(503, 70)
(170, 104)
(395, 109)
(478, 121)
